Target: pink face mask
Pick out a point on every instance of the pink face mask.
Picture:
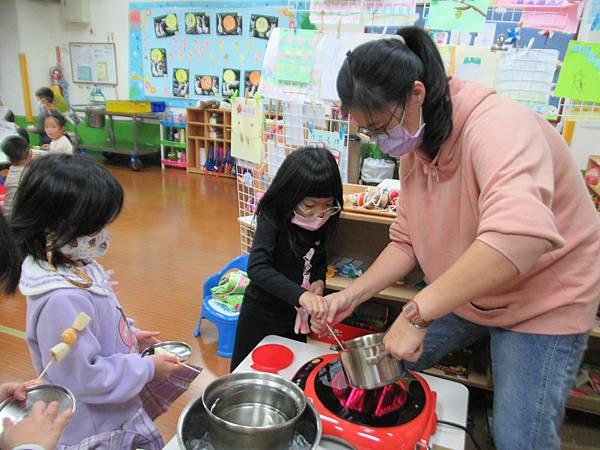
(310, 223)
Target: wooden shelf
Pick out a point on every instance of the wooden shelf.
(198, 120)
(209, 172)
(396, 293)
(364, 217)
(585, 404)
(175, 144)
(475, 379)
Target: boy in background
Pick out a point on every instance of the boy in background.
(9, 116)
(19, 155)
(45, 98)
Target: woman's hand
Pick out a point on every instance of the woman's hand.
(146, 339)
(340, 305)
(43, 426)
(317, 287)
(314, 304)
(404, 341)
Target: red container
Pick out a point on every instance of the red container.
(343, 332)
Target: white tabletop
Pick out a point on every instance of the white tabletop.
(452, 397)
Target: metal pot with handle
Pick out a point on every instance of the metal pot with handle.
(368, 365)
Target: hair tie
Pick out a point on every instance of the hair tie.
(398, 37)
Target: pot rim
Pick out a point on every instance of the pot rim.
(260, 380)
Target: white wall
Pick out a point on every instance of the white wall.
(10, 75)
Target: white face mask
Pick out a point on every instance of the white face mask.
(87, 248)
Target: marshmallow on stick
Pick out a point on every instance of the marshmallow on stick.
(69, 336)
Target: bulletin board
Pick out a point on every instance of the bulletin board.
(93, 62)
(187, 51)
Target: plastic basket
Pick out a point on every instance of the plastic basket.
(158, 106)
(127, 106)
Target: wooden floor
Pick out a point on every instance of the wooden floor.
(174, 231)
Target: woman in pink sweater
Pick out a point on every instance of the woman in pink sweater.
(495, 213)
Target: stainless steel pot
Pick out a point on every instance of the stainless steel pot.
(94, 116)
(368, 365)
(253, 411)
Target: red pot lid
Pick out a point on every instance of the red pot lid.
(271, 358)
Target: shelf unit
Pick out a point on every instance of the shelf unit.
(209, 144)
(172, 146)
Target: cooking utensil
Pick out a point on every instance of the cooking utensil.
(253, 411)
(368, 365)
(192, 428)
(334, 336)
(16, 410)
(180, 349)
(271, 358)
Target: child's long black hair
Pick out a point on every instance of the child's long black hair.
(66, 197)
(10, 264)
(307, 172)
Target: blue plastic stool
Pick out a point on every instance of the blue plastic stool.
(225, 321)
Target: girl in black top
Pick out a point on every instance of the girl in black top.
(288, 261)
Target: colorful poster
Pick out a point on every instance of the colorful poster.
(246, 130)
(252, 81)
(334, 11)
(331, 140)
(457, 15)
(231, 82)
(579, 77)
(389, 12)
(262, 26)
(526, 75)
(165, 26)
(206, 85)
(158, 62)
(229, 24)
(181, 82)
(478, 64)
(197, 23)
(295, 54)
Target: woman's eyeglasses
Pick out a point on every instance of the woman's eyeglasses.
(305, 211)
(380, 133)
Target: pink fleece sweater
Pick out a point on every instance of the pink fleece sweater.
(505, 177)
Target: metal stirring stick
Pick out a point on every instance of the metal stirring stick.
(334, 336)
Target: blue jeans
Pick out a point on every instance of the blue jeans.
(533, 375)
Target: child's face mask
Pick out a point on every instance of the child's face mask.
(87, 248)
(313, 217)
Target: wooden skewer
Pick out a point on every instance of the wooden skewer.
(188, 366)
(334, 336)
(38, 379)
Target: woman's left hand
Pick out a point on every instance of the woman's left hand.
(317, 287)
(404, 341)
(146, 339)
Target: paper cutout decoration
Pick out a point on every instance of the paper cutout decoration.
(595, 15)
(231, 82)
(457, 15)
(526, 75)
(295, 54)
(197, 23)
(158, 62)
(330, 140)
(477, 64)
(331, 12)
(246, 130)
(206, 85)
(389, 12)
(165, 26)
(252, 82)
(331, 54)
(229, 24)
(579, 76)
(553, 15)
(262, 26)
(181, 82)
(293, 124)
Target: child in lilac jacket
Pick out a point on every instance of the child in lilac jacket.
(61, 212)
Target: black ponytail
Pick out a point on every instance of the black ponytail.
(381, 73)
(10, 263)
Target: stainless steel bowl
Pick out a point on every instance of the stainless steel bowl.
(192, 428)
(368, 365)
(253, 411)
(15, 410)
(182, 350)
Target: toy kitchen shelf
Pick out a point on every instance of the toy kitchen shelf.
(166, 142)
(202, 135)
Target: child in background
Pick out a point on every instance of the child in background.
(9, 116)
(42, 428)
(60, 215)
(19, 155)
(288, 261)
(55, 125)
(45, 98)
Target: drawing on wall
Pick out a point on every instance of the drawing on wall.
(181, 83)
(165, 26)
(206, 85)
(229, 24)
(158, 62)
(457, 15)
(231, 82)
(252, 82)
(262, 26)
(579, 76)
(197, 23)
